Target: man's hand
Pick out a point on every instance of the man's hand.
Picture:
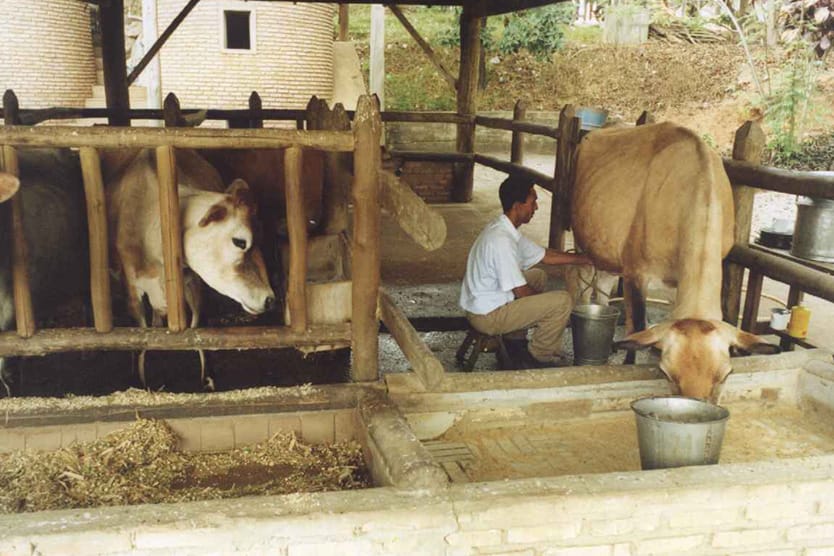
(524, 291)
(551, 256)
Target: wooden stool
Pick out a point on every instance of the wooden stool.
(478, 341)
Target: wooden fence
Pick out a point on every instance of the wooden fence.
(362, 142)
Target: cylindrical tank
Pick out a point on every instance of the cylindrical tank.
(813, 235)
(48, 55)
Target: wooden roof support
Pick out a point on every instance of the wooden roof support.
(446, 74)
(470, 52)
(160, 41)
(111, 15)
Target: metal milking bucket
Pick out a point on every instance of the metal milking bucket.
(592, 328)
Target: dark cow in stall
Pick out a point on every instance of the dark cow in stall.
(54, 224)
(217, 228)
(654, 204)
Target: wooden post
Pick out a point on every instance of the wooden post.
(297, 231)
(171, 111)
(344, 19)
(365, 262)
(795, 296)
(256, 119)
(97, 230)
(569, 127)
(24, 311)
(111, 16)
(751, 302)
(470, 49)
(336, 178)
(517, 145)
(748, 146)
(169, 212)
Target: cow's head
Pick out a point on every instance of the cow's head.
(9, 185)
(695, 354)
(219, 248)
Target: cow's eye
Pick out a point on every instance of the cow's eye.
(239, 243)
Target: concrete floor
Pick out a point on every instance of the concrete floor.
(428, 283)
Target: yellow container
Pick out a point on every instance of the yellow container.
(798, 325)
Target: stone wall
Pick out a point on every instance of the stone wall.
(290, 60)
(47, 52)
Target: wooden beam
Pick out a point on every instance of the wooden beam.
(24, 310)
(517, 141)
(540, 179)
(365, 264)
(426, 365)
(811, 184)
(753, 299)
(498, 7)
(560, 211)
(297, 230)
(467, 105)
(55, 340)
(97, 231)
(433, 156)
(160, 42)
(171, 230)
(427, 50)
(748, 146)
(423, 224)
(517, 126)
(111, 16)
(809, 280)
(344, 20)
(428, 117)
(189, 138)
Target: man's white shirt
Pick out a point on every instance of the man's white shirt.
(494, 266)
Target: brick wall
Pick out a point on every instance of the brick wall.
(291, 59)
(432, 181)
(47, 52)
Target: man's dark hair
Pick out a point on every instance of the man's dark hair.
(514, 190)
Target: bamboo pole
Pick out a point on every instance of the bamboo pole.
(133, 338)
(297, 230)
(517, 141)
(569, 128)
(748, 146)
(365, 263)
(426, 366)
(24, 310)
(188, 138)
(171, 229)
(470, 50)
(97, 231)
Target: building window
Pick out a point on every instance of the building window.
(238, 30)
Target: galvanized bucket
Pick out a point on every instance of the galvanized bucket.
(593, 328)
(813, 236)
(674, 431)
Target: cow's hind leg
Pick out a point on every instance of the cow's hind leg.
(634, 302)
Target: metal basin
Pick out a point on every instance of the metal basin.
(674, 431)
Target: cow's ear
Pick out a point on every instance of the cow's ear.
(747, 342)
(651, 337)
(9, 185)
(216, 213)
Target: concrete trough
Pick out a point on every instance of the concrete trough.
(773, 501)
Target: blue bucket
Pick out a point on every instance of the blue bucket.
(591, 118)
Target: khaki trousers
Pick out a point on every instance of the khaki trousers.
(548, 312)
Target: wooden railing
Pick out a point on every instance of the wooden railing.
(363, 142)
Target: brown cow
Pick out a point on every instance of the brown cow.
(654, 203)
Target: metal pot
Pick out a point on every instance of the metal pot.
(813, 236)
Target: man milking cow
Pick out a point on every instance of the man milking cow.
(501, 292)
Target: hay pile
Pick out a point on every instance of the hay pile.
(140, 464)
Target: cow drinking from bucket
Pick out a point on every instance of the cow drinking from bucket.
(54, 227)
(654, 204)
(217, 236)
